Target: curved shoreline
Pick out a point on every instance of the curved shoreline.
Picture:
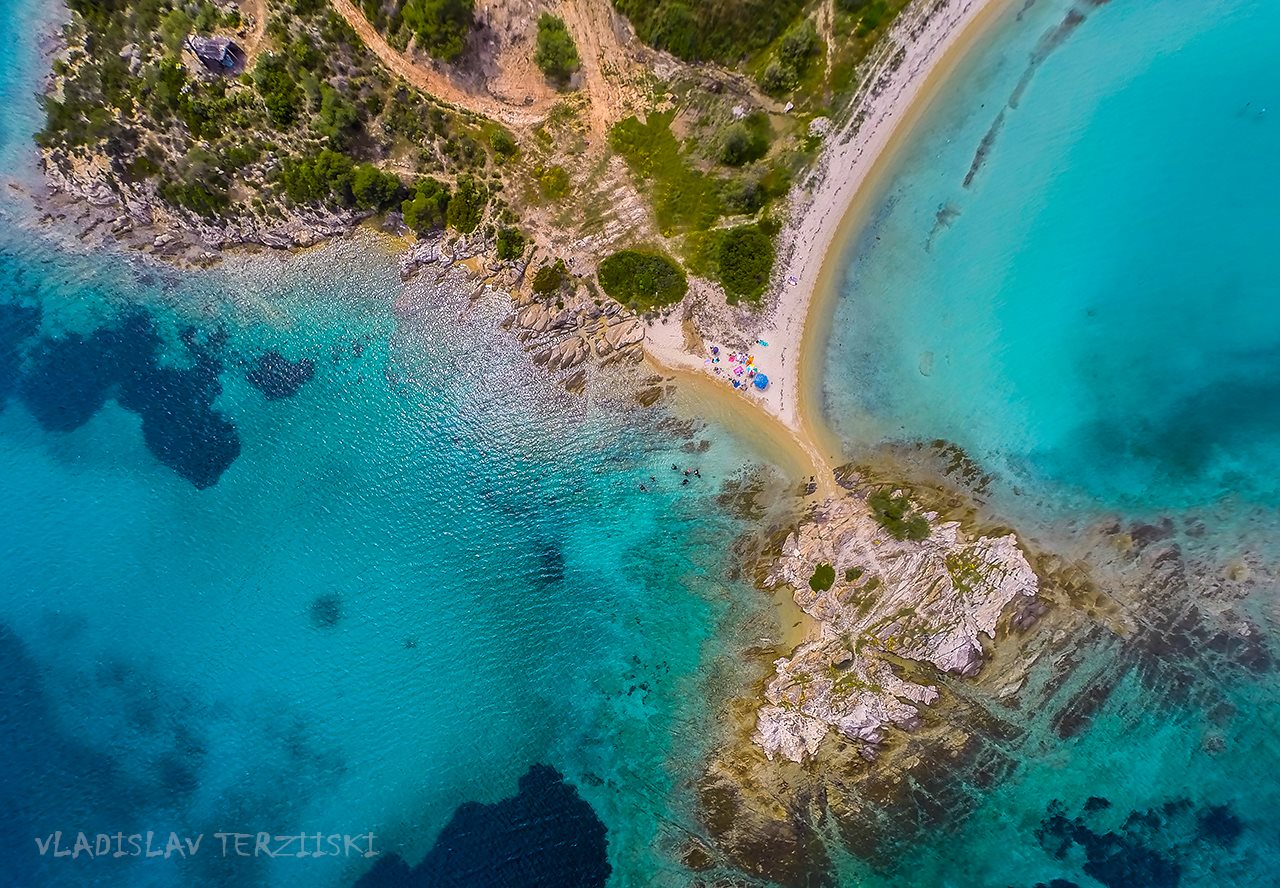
(819, 310)
(861, 156)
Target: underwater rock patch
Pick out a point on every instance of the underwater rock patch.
(546, 836)
(1147, 848)
(277, 377)
(71, 378)
(326, 611)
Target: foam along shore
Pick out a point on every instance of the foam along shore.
(911, 62)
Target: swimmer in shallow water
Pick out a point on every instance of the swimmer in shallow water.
(684, 482)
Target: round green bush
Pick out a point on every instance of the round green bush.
(642, 280)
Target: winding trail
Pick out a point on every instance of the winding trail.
(435, 82)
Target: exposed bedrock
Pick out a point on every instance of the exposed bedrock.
(931, 601)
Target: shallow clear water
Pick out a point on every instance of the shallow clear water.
(1096, 309)
(424, 572)
(1072, 276)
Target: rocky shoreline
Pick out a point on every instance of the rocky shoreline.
(856, 745)
(928, 602)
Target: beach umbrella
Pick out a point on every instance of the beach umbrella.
(761, 381)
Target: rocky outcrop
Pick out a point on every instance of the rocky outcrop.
(573, 330)
(928, 602)
(135, 214)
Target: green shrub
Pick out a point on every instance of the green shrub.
(744, 263)
(743, 196)
(317, 178)
(894, 514)
(203, 198)
(510, 243)
(466, 207)
(852, 574)
(556, 54)
(824, 575)
(427, 210)
(720, 30)
(684, 199)
(874, 14)
(441, 26)
(278, 89)
(373, 189)
(502, 143)
(553, 182)
(642, 280)
(796, 51)
(550, 279)
(746, 141)
(337, 118)
(777, 79)
(799, 45)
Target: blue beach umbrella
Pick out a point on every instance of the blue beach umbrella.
(761, 381)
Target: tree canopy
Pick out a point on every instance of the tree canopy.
(427, 210)
(642, 280)
(557, 54)
(441, 26)
(745, 262)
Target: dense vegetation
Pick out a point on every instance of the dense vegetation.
(795, 55)
(642, 280)
(746, 141)
(556, 55)
(549, 280)
(744, 262)
(895, 514)
(713, 30)
(313, 120)
(439, 26)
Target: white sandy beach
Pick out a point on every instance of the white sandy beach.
(929, 41)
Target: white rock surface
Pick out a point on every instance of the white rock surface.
(930, 601)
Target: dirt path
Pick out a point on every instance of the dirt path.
(609, 72)
(251, 42)
(436, 82)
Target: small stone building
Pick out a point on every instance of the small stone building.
(218, 54)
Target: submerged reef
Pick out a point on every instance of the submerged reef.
(277, 377)
(69, 378)
(544, 836)
(939, 669)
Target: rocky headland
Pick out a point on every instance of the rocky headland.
(886, 603)
(935, 667)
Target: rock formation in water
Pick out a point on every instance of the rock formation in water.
(890, 600)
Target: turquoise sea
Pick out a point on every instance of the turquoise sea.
(290, 546)
(1071, 274)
